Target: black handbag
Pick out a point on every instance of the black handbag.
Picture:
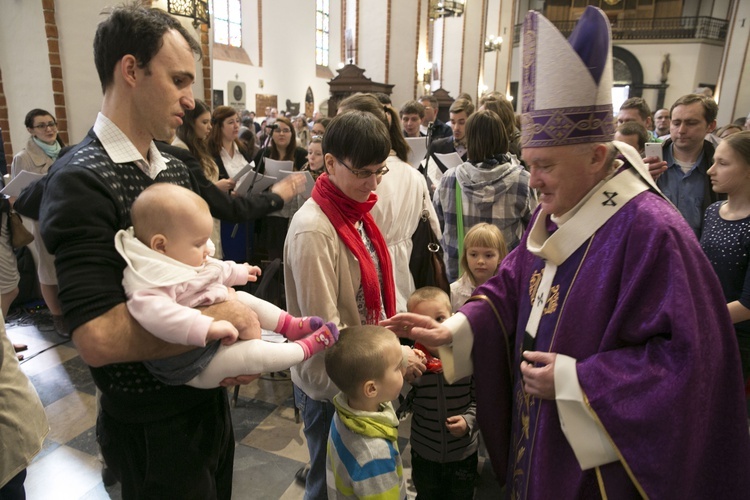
(426, 262)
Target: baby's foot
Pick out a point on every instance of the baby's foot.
(296, 328)
(321, 339)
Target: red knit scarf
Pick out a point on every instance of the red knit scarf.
(344, 213)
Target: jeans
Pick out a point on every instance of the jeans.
(189, 455)
(317, 416)
(451, 481)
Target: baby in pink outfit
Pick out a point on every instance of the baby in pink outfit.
(169, 273)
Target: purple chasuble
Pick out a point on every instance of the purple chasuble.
(640, 309)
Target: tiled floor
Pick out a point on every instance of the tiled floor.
(270, 444)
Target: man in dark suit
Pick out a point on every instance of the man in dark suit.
(460, 111)
(431, 107)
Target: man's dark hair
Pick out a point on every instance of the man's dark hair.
(460, 105)
(412, 108)
(431, 99)
(636, 129)
(382, 97)
(640, 104)
(134, 30)
(359, 137)
(710, 108)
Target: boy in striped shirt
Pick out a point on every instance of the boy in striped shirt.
(367, 365)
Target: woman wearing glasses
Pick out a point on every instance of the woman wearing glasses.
(337, 264)
(42, 149)
(283, 147)
(402, 196)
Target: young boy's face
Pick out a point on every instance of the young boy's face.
(393, 378)
(438, 310)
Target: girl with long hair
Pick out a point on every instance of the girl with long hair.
(726, 234)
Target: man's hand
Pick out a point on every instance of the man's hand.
(289, 186)
(238, 380)
(655, 165)
(456, 425)
(539, 381)
(241, 316)
(423, 329)
(223, 330)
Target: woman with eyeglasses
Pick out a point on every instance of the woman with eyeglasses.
(282, 147)
(337, 264)
(42, 149)
(402, 195)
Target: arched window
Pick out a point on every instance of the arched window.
(322, 20)
(227, 22)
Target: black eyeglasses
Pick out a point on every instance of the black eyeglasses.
(45, 126)
(364, 174)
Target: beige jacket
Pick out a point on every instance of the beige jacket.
(23, 424)
(32, 159)
(322, 278)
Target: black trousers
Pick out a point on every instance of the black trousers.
(186, 456)
(449, 481)
(13, 489)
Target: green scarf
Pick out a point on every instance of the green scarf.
(380, 424)
(51, 150)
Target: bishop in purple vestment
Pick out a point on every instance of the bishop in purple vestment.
(603, 354)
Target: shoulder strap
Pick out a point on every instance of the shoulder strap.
(459, 223)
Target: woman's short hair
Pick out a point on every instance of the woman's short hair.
(485, 136)
(359, 137)
(370, 104)
(29, 120)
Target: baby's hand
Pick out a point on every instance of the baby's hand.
(223, 330)
(252, 272)
(456, 425)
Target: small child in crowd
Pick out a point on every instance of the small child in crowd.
(169, 273)
(484, 249)
(444, 431)
(363, 461)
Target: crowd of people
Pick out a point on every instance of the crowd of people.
(596, 330)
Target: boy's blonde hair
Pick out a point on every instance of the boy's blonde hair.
(428, 293)
(482, 235)
(358, 357)
(158, 209)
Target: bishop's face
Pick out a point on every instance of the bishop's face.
(562, 175)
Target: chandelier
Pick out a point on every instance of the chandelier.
(197, 10)
(446, 8)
